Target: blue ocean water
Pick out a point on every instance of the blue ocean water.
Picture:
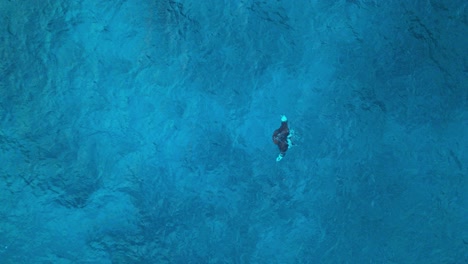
(141, 131)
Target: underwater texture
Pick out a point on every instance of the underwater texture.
(141, 131)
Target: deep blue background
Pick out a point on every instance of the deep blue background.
(140, 131)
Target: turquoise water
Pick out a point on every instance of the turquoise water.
(141, 131)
